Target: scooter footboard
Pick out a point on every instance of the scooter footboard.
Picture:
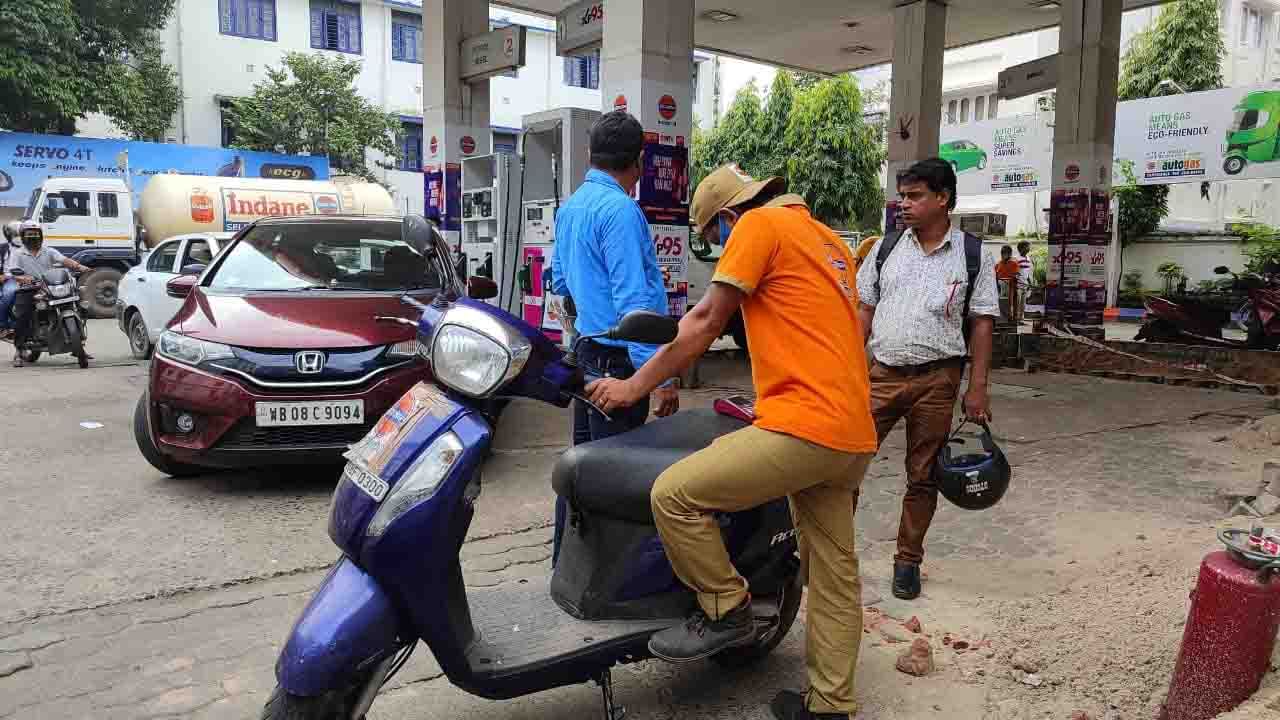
(349, 625)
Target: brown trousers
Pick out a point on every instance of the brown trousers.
(927, 400)
(745, 469)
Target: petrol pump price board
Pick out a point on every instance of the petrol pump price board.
(671, 243)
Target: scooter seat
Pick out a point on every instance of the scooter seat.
(613, 476)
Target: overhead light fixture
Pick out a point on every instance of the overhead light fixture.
(721, 16)
(852, 24)
(856, 49)
(1046, 4)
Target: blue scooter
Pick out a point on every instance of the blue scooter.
(401, 512)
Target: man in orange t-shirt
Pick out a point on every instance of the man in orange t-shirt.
(1008, 271)
(812, 439)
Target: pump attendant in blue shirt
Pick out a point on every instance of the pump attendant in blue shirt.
(605, 260)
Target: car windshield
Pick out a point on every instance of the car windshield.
(346, 255)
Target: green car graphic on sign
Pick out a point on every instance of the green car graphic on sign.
(963, 155)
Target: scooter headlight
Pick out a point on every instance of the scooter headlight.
(475, 353)
(61, 291)
(417, 483)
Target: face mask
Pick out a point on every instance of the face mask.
(725, 230)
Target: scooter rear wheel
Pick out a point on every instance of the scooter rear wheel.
(765, 643)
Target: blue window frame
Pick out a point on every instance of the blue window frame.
(248, 18)
(406, 37)
(335, 25)
(411, 147)
(583, 72)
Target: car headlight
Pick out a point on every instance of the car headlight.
(475, 353)
(60, 291)
(189, 350)
(417, 483)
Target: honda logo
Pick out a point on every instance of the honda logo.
(309, 362)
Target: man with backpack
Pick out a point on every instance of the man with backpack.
(928, 304)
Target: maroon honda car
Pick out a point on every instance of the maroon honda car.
(291, 344)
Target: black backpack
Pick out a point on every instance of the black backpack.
(972, 266)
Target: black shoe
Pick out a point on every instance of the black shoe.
(789, 705)
(701, 637)
(906, 581)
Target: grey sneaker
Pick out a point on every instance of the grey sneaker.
(17, 359)
(701, 637)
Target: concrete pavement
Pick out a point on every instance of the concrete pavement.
(127, 594)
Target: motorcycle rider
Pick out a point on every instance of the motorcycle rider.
(812, 439)
(34, 260)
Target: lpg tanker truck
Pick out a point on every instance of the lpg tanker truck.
(94, 220)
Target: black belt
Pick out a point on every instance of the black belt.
(925, 368)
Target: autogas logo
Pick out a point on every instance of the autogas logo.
(667, 107)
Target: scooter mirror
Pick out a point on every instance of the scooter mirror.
(644, 326)
(1222, 270)
(481, 288)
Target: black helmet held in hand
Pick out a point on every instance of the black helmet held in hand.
(973, 481)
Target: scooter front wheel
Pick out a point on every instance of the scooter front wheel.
(330, 706)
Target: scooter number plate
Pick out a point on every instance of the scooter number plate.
(63, 301)
(371, 484)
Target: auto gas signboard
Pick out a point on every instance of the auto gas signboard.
(1006, 155)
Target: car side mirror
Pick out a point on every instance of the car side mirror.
(645, 326)
(1222, 270)
(481, 288)
(193, 269)
(180, 287)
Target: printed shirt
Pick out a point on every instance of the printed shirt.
(1024, 271)
(920, 300)
(807, 359)
(605, 260)
(36, 264)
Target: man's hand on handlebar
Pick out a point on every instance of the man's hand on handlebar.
(668, 400)
(610, 393)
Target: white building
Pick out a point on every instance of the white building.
(221, 48)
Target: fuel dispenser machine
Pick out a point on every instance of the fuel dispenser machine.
(490, 220)
(556, 152)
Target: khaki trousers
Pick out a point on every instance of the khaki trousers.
(743, 470)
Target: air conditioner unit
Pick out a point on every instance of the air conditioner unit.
(984, 224)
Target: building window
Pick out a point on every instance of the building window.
(980, 107)
(991, 106)
(108, 205)
(964, 110)
(248, 18)
(1251, 26)
(583, 72)
(951, 113)
(335, 25)
(411, 147)
(406, 37)
(228, 127)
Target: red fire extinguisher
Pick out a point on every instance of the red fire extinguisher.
(1230, 633)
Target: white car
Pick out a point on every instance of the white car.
(143, 307)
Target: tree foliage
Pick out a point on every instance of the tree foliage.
(1184, 45)
(810, 130)
(63, 59)
(144, 99)
(835, 157)
(310, 106)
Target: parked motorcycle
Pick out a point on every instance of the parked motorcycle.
(401, 512)
(1189, 322)
(57, 322)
